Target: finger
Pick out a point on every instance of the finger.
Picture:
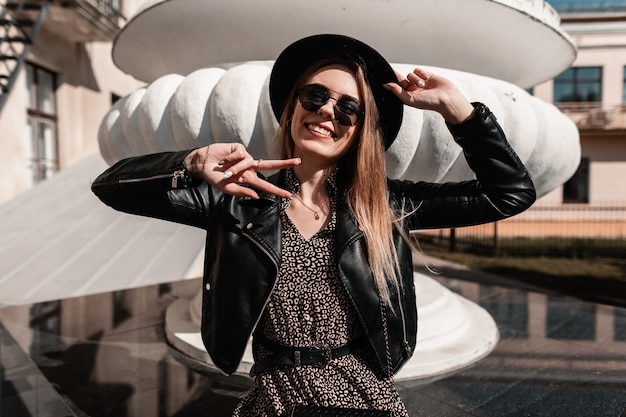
(239, 191)
(235, 169)
(401, 79)
(238, 188)
(239, 170)
(416, 81)
(237, 153)
(264, 165)
(395, 88)
(263, 185)
(425, 75)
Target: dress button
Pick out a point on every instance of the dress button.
(249, 226)
(208, 286)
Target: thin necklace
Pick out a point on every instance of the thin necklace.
(315, 213)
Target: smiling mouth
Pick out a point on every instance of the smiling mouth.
(320, 130)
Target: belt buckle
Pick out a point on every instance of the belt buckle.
(327, 355)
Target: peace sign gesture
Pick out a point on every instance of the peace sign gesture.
(228, 166)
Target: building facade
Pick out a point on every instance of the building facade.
(66, 82)
(57, 81)
(593, 93)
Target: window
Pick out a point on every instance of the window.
(579, 84)
(576, 189)
(42, 122)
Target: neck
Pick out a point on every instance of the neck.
(312, 180)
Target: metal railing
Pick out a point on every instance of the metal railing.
(595, 116)
(577, 231)
(20, 22)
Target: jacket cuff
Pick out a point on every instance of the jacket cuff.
(482, 117)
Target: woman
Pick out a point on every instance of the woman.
(312, 261)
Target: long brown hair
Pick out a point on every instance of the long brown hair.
(363, 173)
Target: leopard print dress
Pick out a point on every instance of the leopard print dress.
(309, 307)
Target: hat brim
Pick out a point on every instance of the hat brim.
(298, 56)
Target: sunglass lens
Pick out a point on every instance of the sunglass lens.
(314, 95)
(349, 110)
(343, 119)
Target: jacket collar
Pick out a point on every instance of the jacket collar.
(347, 229)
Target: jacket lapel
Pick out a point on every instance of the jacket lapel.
(260, 219)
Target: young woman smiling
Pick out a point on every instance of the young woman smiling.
(312, 262)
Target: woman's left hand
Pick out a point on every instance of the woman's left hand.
(424, 90)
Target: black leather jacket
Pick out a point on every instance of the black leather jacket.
(243, 242)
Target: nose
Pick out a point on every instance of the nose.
(328, 109)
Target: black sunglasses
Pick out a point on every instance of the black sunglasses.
(348, 110)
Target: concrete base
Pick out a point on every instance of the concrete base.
(454, 333)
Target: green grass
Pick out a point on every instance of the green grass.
(533, 268)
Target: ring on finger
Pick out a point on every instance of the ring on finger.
(258, 164)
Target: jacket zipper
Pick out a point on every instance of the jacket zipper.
(405, 342)
(176, 176)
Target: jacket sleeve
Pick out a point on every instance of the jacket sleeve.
(156, 185)
(502, 187)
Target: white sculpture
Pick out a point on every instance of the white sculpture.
(216, 105)
(223, 96)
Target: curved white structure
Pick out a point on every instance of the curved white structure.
(216, 105)
(519, 41)
(207, 66)
(466, 335)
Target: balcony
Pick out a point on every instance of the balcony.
(595, 116)
(75, 20)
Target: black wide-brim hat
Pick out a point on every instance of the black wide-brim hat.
(298, 56)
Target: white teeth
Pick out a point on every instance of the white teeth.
(320, 130)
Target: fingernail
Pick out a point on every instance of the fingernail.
(386, 87)
(220, 163)
(228, 174)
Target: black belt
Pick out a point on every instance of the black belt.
(291, 356)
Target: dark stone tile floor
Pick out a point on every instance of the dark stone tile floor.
(105, 355)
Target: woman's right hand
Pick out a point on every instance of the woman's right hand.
(228, 166)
